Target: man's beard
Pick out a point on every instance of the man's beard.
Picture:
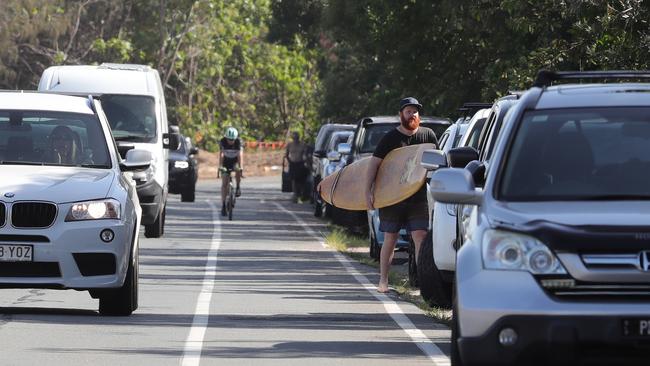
(411, 124)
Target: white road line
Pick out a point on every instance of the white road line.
(392, 308)
(194, 342)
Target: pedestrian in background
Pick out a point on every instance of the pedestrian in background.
(295, 154)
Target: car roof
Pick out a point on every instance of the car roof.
(395, 119)
(594, 95)
(102, 79)
(33, 101)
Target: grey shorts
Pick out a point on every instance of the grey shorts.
(411, 214)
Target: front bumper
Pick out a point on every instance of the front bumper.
(490, 300)
(557, 340)
(151, 197)
(69, 255)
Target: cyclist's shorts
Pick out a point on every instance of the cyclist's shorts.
(232, 165)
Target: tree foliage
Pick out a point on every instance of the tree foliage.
(269, 67)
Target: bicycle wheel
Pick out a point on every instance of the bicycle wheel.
(231, 200)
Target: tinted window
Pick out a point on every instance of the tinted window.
(52, 138)
(590, 154)
(473, 138)
(132, 117)
(373, 134)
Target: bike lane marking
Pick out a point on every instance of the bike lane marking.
(194, 341)
(433, 352)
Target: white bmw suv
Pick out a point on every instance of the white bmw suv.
(69, 214)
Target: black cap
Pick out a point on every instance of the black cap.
(409, 101)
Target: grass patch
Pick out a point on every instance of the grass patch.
(353, 246)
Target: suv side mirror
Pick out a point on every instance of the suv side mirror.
(344, 148)
(171, 141)
(459, 157)
(136, 159)
(194, 150)
(477, 170)
(454, 185)
(433, 159)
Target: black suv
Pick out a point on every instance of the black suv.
(183, 170)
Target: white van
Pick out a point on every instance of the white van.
(133, 100)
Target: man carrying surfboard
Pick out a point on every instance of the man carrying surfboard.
(411, 213)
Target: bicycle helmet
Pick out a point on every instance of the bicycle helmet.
(231, 133)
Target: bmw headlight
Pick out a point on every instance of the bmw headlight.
(94, 210)
(181, 164)
(517, 252)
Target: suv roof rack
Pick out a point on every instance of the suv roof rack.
(546, 77)
(474, 105)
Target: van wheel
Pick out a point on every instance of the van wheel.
(188, 195)
(156, 229)
(124, 300)
(433, 288)
(413, 268)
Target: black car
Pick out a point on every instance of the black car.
(183, 170)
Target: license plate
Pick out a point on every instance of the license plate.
(636, 327)
(16, 253)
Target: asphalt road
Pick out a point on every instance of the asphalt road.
(262, 289)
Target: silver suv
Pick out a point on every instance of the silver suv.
(555, 268)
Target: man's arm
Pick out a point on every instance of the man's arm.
(373, 166)
(220, 161)
(241, 159)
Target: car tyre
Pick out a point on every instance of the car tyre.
(188, 195)
(433, 288)
(454, 352)
(157, 228)
(124, 300)
(413, 270)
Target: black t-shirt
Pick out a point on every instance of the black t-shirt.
(395, 139)
(230, 152)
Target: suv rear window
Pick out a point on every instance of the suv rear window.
(579, 154)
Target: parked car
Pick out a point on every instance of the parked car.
(319, 158)
(367, 135)
(436, 272)
(69, 214)
(330, 164)
(184, 170)
(133, 98)
(554, 268)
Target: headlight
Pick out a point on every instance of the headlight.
(517, 252)
(94, 210)
(181, 164)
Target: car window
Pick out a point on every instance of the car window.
(579, 154)
(336, 139)
(132, 117)
(443, 138)
(52, 138)
(373, 134)
(475, 133)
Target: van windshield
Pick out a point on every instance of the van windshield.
(132, 117)
(579, 154)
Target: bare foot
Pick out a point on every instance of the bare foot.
(382, 288)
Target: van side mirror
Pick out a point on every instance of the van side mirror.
(194, 150)
(433, 159)
(171, 141)
(344, 148)
(459, 157)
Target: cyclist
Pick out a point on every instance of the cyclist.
(231, 158)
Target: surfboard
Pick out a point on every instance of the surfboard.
(399, 176)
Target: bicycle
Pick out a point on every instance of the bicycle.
(231, 198)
